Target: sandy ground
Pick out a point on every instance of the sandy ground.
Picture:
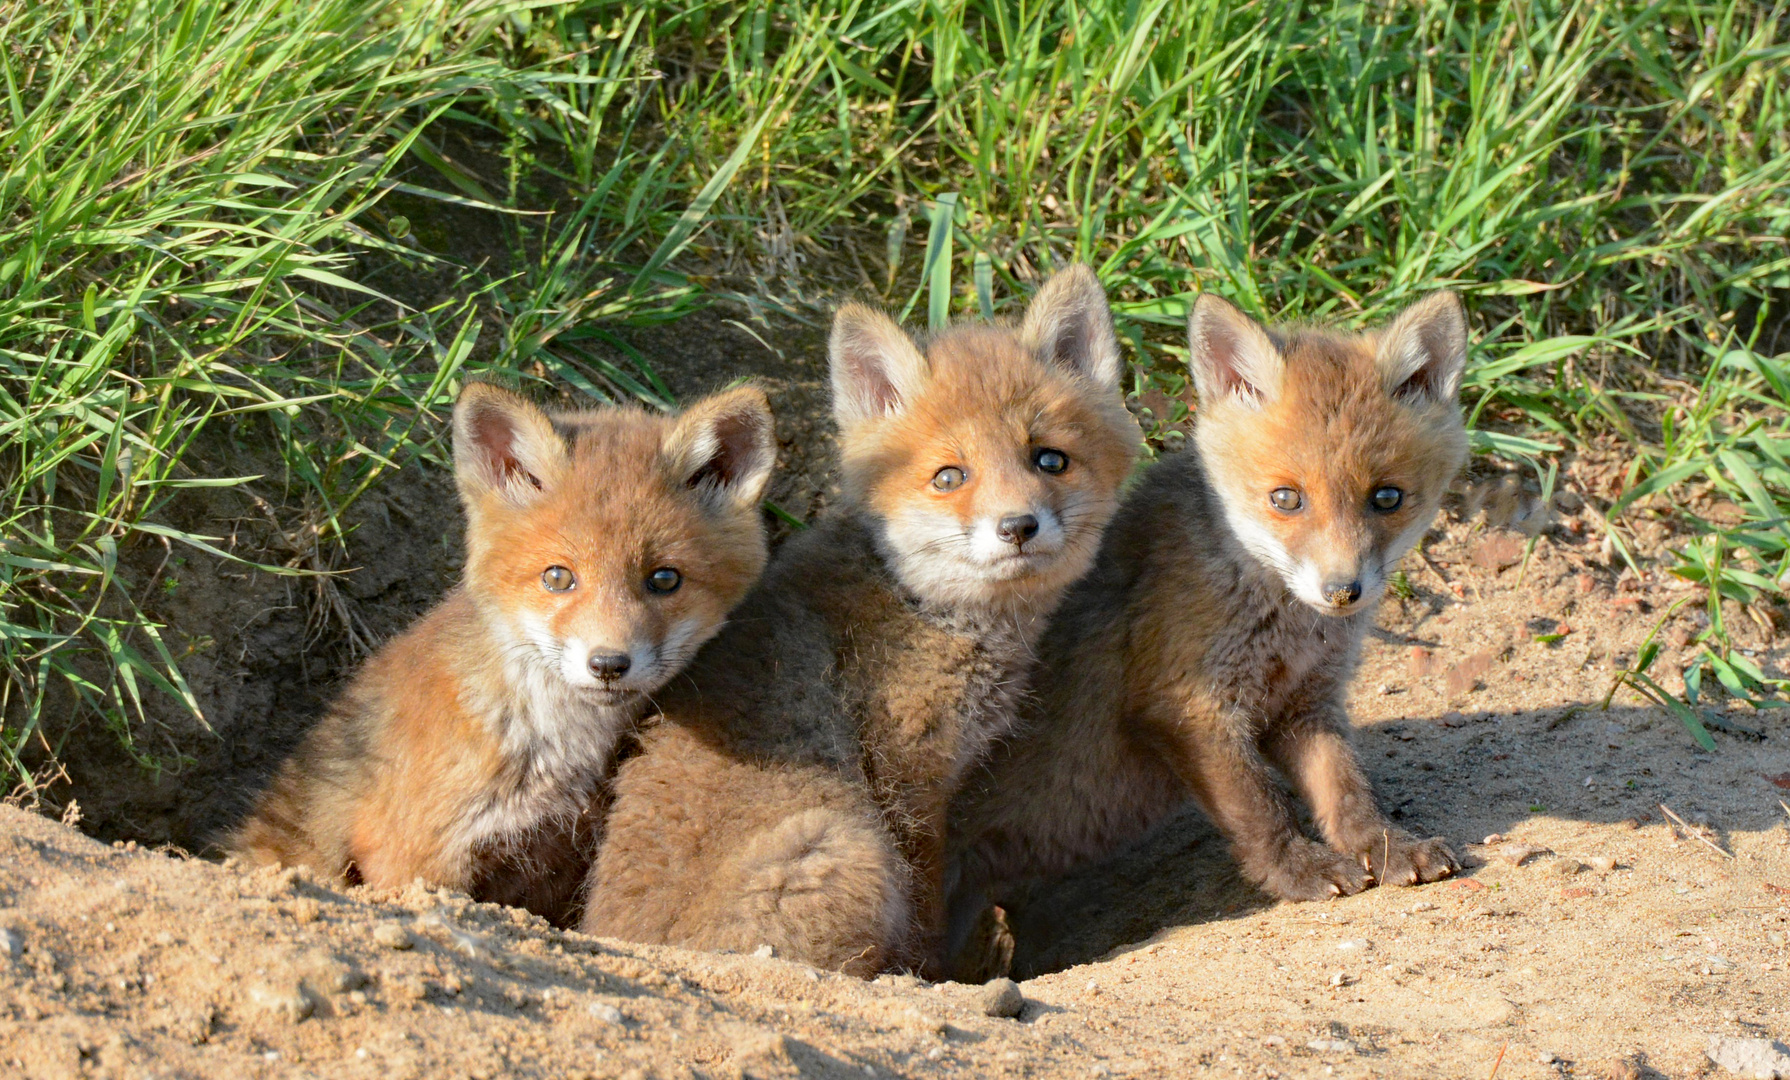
(1596, 938)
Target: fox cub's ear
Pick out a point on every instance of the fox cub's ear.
(877, 368)
(504, 445)
(1069, 323)
(724, 447)
(1423, 351)
(1229, 354)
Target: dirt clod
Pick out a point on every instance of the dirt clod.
(1002, 998)
(288, 1001)
(393, 936)
(1756, 1059)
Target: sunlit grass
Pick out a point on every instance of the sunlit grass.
(191, 192)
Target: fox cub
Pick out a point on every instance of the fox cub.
(793, 793)
(1216, 638)
(602, 548)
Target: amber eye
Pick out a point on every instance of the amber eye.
(1388, 499)
(949, 478)
(558, 579)
(1285, 499)
(1051, 461)
(664, 580)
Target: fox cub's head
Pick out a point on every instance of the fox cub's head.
(990, 458)
(605, 546)
(1330, 452)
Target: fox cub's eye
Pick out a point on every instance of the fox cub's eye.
(1286, 500)
(949, 478)
(664, 580)
(558, 579)
(1387, 499)
(1051, 461)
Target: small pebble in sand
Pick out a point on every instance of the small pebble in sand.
(392, 936)
(1354, 945)
(1565, 867)
(1331, 1046)
(1423, 905)
(1001, 997)
(1603, 864)
(287, 1000)
(1342, 978)
(1758, 1059)
(1494, 838)
(12, 946)
(1518, 854)
(609, 1014)
(764, 952)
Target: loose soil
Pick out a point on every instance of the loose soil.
(1589, 936)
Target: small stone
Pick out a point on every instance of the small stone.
(1622, 1069)
(1565, 867)
(1757, 1059)
(12, 946)
(392, 936)
(1423, 905)
(1493, 838)
(1356, 945)
(304, 910)
(764, 952)
(761, 1048)
(1331, 1046)
(1518, 854)
(1001, 997)
(415, 988)
(1342, 978)
(289, 1002)
(1603, 864)
(607, 1013)
(935, 1054)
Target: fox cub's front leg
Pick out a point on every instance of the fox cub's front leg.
(1316, 756)
(1237, 790)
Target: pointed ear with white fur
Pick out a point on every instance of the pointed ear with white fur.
(1069, 323)
(1229, 354)
(504, 445)
(1424, 350)
(724, 447)
(877, 368)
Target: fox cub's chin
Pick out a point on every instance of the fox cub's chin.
(1330, 453)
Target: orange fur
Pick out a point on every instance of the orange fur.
(793, 793)
(1214, 641)
(473, 750)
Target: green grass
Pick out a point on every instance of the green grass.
(196, 213)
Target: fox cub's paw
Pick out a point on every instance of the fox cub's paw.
(1310, 871)
(1398, 858)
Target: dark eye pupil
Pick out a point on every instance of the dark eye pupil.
(664, 580)
(557, 578)
(1052, 461)
(948, 478)
(1388, 498)
(1284, 498)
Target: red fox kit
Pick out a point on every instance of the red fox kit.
(1216, 638)
(602, 548)
(793, 792)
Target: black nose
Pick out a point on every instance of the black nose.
(1017, 528)
(1343, 593)
(609, 665)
